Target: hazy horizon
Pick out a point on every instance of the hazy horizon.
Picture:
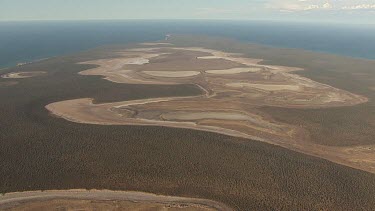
(43, 39)
(322, 11)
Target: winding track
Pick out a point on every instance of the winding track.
(13, 200)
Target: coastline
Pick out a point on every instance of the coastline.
(264, 28)
(25, 62)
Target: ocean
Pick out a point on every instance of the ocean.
(27, 41)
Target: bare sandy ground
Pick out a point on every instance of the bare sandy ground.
(172, 74)
(234, 70)
(228, 104)
(18, 75)
(205, 115)
(83, 205)
(103, 200)
(267, 87)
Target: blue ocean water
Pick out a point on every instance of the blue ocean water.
(28, 41)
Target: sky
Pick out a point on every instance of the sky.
(345, 11)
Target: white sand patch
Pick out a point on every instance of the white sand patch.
(234, 70)
(172, 74)
(137, 61)
(333, 97)
(267, 87)
(209, 57)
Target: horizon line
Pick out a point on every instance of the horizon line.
(185, 19)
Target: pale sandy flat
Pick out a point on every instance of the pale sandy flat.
(267, 87)
(172, 74)
(333, 97)
(234, 70)
(107, 205)
(138, 61)
(189, 116)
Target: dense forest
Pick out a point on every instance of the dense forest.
(39, 151)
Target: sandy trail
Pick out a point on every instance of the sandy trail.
(228, 104)
(14, 200)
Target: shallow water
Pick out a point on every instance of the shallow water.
(28, 41)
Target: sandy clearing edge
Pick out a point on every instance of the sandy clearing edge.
(55, 109)
(10, 200)
(172, 74)
(340, 155)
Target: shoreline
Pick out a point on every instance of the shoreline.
(26, 62)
